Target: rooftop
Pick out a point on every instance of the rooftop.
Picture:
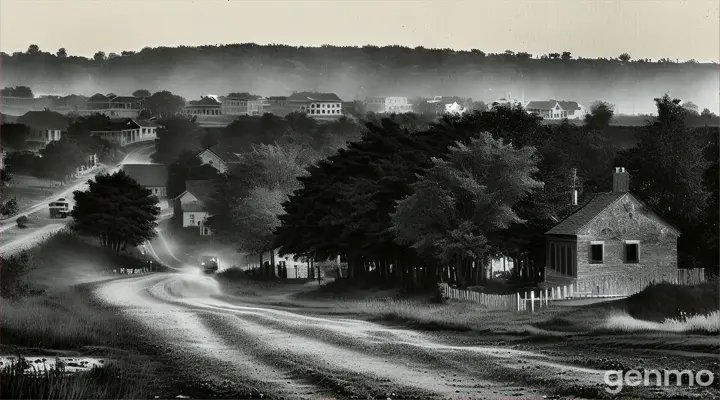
(313, 96)
(45, 119)
(148, 175)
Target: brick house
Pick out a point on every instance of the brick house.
(190, 207)
(615, 244)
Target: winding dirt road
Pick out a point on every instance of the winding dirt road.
(288, 354)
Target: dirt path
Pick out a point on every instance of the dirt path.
(288, 354)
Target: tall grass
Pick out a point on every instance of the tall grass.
(700, 323)
(110, 381)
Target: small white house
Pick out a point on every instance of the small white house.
(217, 158)
(191, 206)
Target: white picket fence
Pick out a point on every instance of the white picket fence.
(530, 300)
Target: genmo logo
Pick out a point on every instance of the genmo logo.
(617, 379)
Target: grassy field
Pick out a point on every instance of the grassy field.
(63, 319)
(28, 190)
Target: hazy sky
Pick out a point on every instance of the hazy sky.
(590, 28)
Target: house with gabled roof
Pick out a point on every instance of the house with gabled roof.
(191, 206)
(150, 176)
(218, 158)
(556, 109)
(43, 127)
(615, 244)
(322, 106)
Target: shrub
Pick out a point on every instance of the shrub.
(14, 269)
(10, 207)
(22, 221)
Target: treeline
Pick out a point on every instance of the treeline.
(413, 207)
(355, 72)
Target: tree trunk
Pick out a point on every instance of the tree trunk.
(272, 263)
(261, 266)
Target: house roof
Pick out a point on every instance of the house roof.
(577, 221)
(45, 119)
(549, 104)
(98, 97)
(205, 102)
(203, 190)
(224, 154)
(313, 96)
(145, 123)
(148, 175)
(243, 96)
(125, 99)
(119, 125)
(277, 98)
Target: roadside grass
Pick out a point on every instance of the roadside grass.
(623, 322)
(60, 316)
(112, 381)
(28, 190)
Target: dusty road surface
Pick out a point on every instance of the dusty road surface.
(283, 353)
(29, 238)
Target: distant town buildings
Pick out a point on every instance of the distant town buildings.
(388, 105)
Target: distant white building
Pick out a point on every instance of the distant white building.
(388, 105)
(322, 106)
(556, 109)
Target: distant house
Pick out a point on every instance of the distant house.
(127, 131)
(615, 244)
(278, 105)
(190, 206)
(447, 104)
(150, 176)
(44, 127)
(125, 106)
(505, 101)
(97, 103)
(388, 105)
(556, 110)
(322, 106)
(205, 108)
(218, 158)
(242, 104)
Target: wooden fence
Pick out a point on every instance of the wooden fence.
(541, 297)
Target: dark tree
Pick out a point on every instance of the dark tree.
(566, 55)
(14, 136)
(61, 158)
(175, 135)
(117, 210)
(61, 53)
(99, 56)
(187, 167)
(600, 116)
(142, 93)
(624, 57)
(33, 49)
(18, 91)
(164, 104)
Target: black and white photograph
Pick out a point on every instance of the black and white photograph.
(360, 199)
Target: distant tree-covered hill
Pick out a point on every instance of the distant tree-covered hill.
(357, 72)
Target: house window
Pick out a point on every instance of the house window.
(192, 219)
(597, 251)
(632, 251)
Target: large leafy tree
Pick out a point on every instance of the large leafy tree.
(163, 104)
(174, 136)
(461, 201)
(669, 167)
(62, 158)
(117, 210)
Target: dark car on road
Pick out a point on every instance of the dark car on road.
(209, 264)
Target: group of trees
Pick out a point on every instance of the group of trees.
(415, 206)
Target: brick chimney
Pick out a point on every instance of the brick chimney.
(621, 180)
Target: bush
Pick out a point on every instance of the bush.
(662, 301)
(10, 208)
(22, 221)
(14, 269)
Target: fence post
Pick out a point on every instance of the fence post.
(532, 301)
(517, 301)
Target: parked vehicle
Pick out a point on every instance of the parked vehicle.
(59, 208)
(209, 264)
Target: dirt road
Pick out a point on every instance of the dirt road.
(288, 354)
